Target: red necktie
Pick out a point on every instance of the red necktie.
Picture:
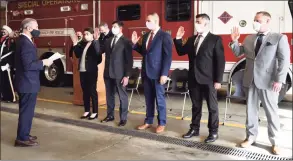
(150, 40)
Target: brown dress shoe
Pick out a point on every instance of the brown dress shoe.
(143, 127)
(246, 143)
(28, 143)
(276, 150)
(160, 129)
(33, 137)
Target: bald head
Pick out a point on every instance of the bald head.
(153, 21)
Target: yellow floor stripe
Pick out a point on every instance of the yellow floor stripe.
(143, 113)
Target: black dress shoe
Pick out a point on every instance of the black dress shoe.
(108, 119)
(87, 116)
(122, 123)
(211, 138)
(91, 118)
(32, 138)
(191, 133)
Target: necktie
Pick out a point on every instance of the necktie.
(258, 43)
(150, 41)
(113, 43)
(196, 44)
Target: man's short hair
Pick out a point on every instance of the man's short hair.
(119, 23)
(264, 13)
(89, 29)
(27, 22)
(103, 24)
(203, 16)
(155, 15)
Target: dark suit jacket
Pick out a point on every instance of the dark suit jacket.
(209, 64)
(28, 66)
(157, 61)
(93, 56)
(103, 38)
(119, 60)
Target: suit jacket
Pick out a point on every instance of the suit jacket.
(208, 65)
(103, 38)
(157, 61)
(28, 66)
(119, 60)
(271, 63)
(93, 56)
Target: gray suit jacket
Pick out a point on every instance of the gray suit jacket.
(271, 63)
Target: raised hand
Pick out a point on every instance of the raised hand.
(74, 39)
(235, 34)
(180, 32)
(134, 37)
(97, 34)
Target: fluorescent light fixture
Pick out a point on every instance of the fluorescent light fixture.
(84, 6)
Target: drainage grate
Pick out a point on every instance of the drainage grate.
(165, 139)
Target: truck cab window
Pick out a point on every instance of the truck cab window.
(178, 10)
(290, 3)
(128, 12)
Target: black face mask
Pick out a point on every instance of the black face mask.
(79, 37)
(35, 33)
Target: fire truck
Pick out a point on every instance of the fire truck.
(60, 19)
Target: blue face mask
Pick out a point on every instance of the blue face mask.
(35, 33)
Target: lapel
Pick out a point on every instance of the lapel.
(155, 39)
(203, 43)
(264, 42)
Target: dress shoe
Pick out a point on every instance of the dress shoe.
(143, 127)
(246, 143)
(87, 116)
(32, 138)
(122, 123)
(276, 150)
(211, 138)
(92, 118)
(108, 119)
(191, 133)
(28, 143)
(160, 129)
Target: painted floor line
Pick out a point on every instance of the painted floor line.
(143, 113)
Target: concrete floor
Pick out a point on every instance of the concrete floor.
(62, 141)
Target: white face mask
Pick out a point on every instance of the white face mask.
(256, 26)
(88, 38)
(150, 25)
(115, 31)
(198, 28)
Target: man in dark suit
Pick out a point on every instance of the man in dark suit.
(27, 80)
(118, 65)
(156, 49)
(206, 67)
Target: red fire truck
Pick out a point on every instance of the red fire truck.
(59, 19)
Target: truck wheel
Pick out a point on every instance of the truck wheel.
(53, 75)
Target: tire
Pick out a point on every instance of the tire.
(53, 76)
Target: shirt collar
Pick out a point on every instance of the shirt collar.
(204, 34)
(27, 36)
(119, 35)
(156, 31)
(265, 33)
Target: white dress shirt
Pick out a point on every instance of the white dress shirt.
(203, 36)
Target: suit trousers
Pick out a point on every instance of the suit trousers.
(27, 103)
(88, 81)
(5, 87)
(269, 101)
(154, 92)
(208, 92)
(113, 85)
